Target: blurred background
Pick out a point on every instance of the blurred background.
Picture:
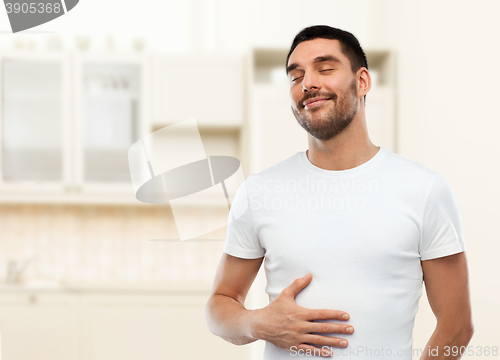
(86, 270)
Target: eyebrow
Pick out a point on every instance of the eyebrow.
(316, 60)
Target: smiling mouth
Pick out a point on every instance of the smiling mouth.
(315, 103)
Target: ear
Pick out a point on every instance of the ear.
(364, 81)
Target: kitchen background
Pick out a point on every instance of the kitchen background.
(88, 271)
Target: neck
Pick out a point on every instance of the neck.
(347, 150)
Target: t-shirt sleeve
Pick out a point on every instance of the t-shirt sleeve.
(441, 232)
(242, 239)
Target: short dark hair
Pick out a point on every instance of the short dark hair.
(349, 44)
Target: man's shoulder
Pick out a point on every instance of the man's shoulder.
(405, 163)
(406, 171)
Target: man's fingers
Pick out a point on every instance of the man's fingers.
(297, 285)
(326, 314)
(321, 340)
(313, 351)
(329, 328)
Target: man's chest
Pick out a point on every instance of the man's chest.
(373, 240)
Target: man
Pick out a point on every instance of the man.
(349, 231)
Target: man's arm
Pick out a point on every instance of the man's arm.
(282, 322)
(226, 315)
(447, 286)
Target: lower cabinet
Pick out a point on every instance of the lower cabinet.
(38, 326)
(109, 326)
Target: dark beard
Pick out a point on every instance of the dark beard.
(336, 121)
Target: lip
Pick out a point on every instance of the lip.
(315, 102)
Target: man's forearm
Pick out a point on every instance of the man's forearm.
(442, 342)
(230, 320)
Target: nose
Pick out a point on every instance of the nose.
(310, 82)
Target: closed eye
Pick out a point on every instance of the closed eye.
(298, 77)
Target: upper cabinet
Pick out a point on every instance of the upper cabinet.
(67, 124)
(109, 120)
(32, 91)
(69, 119)
(34, 116)
(110, 115)
(209, 89)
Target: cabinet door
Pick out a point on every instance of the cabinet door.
(34, 122)
(275, 133)
(153, 327)
(208, 89)
(37, 326)
(109, 120)
(110, 117)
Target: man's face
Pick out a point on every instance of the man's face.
(322, 88)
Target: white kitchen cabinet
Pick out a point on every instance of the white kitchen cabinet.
(87, 324)
(136, 327)
(34, 113)
(275, 132)
(67, 123)
(69, 119)
(210, 89)
(110, 115)
(38, 326)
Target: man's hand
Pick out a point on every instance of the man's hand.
(286, 324)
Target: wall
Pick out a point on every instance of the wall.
(448, 122)
(105, 246)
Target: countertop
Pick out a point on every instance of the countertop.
(107, 288)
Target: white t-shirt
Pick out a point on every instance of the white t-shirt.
(360, 232)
